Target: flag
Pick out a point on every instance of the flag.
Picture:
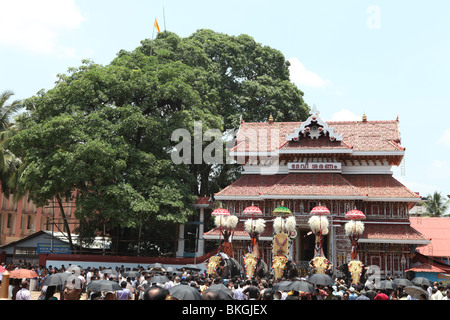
(157, 26)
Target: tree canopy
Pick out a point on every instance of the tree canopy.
(105, 130)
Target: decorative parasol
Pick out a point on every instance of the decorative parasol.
(355, 215)
(281, 211)
(221, 212)
(252, 210)
(320, 210)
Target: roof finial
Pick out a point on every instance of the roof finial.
(364, 117)
(242, 119)
(270, 119)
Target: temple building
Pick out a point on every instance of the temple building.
(342, 165)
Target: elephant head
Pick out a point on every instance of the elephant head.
(279, 264)
(213, 263)
(355, 267)
(320, 264)
(250, 262)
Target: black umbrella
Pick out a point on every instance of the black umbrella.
(56, 279)
(415, 292)
(302, 286)
(156, 265)
(103, 285)
(108, 271)
(320, 279)
(402, 282)
(192, 267)
(223, 292)
(421, 281)
(282, 286)
(184, 292)
(159, 279)
(385, 284)
(131, 274)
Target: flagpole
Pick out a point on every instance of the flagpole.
(164, 18)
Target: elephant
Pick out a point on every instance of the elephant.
(358, 273)
(223, 266)
(284, 267)
(320, 264)
(255, 266)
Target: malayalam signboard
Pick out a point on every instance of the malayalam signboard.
(314, 166)
(58, 248)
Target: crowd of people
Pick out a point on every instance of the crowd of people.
(139, 286)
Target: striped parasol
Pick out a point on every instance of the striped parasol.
(281, 211)
(355, 215)
(320, 210)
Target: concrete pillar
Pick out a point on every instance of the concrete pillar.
(180, 250)
(201, 229)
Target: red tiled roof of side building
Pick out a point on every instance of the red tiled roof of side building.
(425, 267)
(438, 230)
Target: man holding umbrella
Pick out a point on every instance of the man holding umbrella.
(72, 288)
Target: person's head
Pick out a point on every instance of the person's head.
(210, 295)
(156, 293)
(423, 297)
(267, 295)
(345, 296)
(25, 284)
(110, 295)
(72, 288)
(277, 295)
(123, 284)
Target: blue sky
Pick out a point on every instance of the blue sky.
(349, 57)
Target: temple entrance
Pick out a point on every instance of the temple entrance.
(305, 249)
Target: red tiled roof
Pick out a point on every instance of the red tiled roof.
(323, 184)
(251, 185)
(425, 267)
(359, 135)
(436, 229)
(389, 233)
(322, 143)
(380, 186)
(318, 184)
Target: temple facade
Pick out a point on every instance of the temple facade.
(342, 165)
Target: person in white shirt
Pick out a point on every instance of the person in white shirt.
(24, 293)
(447, 295)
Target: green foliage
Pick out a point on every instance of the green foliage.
(436, 205)
(105, 131)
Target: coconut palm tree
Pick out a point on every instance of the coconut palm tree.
(8, 161)
(436, 205)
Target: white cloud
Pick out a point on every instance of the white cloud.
(302, 77)
(36, 25)
(445, 138)
(345, 115)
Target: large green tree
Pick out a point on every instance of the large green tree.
(105, 131)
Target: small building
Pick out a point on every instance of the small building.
(27, 249)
